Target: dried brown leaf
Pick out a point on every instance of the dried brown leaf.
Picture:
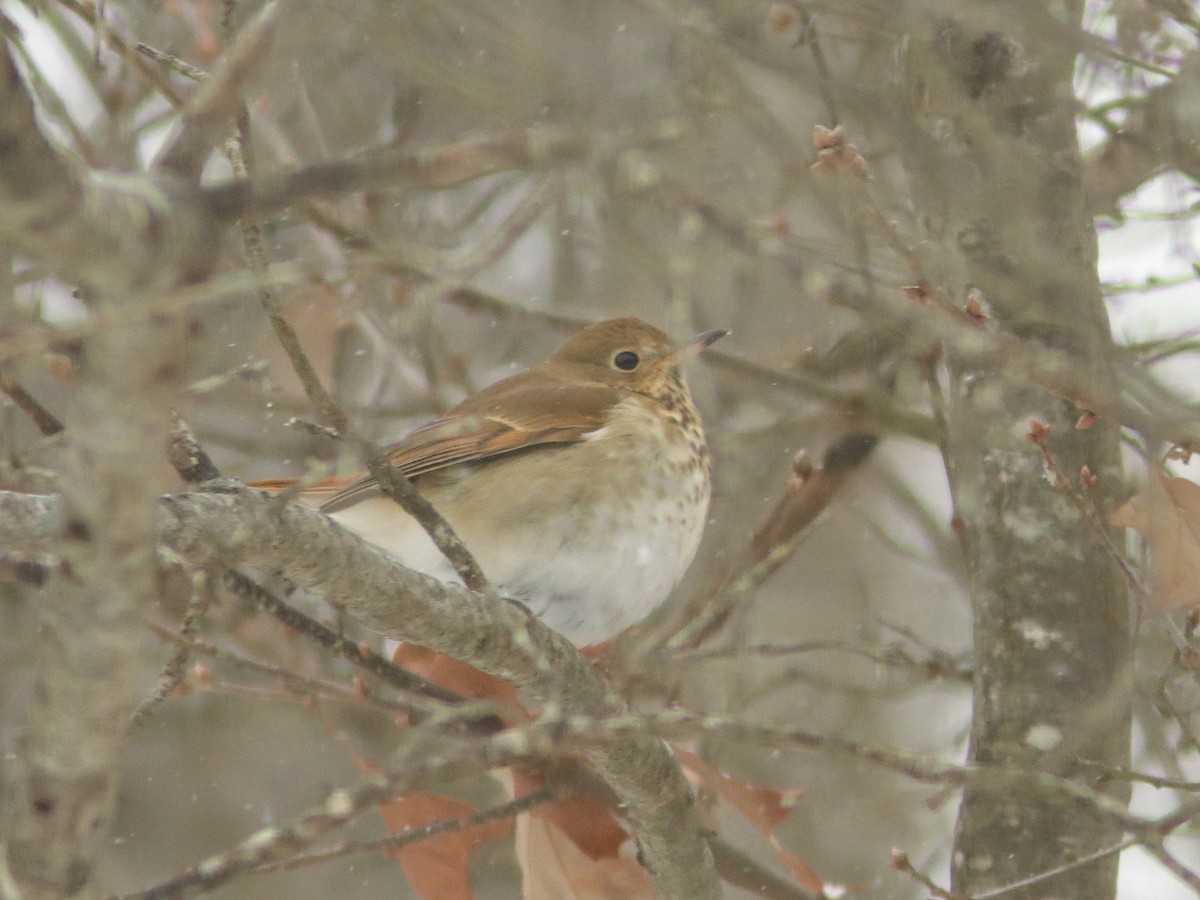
(1167, 514)
(554, 866)
(764, 808)
(590, 825)
(455, 675)
(438, 868)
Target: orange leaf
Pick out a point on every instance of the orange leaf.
(438, 867)
(764, 808)
(553, 866)
(590, 825)
(454, 675)
(1167, 514)
(804, 874)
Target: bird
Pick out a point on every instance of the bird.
(581, 485)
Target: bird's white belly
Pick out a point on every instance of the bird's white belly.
(589, 552)
(594, 582)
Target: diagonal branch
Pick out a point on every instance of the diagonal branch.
(243, 526)
(1157, 136)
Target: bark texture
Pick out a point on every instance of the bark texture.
(992, 154)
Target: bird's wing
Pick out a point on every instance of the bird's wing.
(488, 424)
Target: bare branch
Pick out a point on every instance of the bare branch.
(1157, 136)
(212, 109)
(500, 638)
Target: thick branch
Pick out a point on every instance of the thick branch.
(225, 530)
(1157, 136)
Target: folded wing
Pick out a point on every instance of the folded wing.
(514, 415)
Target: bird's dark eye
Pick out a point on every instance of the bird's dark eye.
(626, 360)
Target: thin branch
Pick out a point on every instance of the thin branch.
(175, 669)
(436, 166)
(936, 664)
(89, 12)
(352, 651)
(293, 681)
(195, 466)
(1087, 860)
(941, 417)
(212, 108)
(1039, 435)
(1126, 774)
(393, 483)
(902, 864)
(1148, 142)
(807, 494)
(269, 845)
(184, 68)
(395, 842)
(46, 422)
(810, 37)
(141, 304)
(1183, 873)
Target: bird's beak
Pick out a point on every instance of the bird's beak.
(692, 348)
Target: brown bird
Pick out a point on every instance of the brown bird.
(581, 486)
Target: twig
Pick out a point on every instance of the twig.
(356, 653)
(216, 101)
(1164, 825)
(1126, 774)
(184, 68)
(516, 224)
(437, 166)
(506, 810)
(901, 863)
(716, 611)
(394, 484)
(1182, 872)
(196, 467)
(812, 40)
(140, 305)
(1058, 870)
(341, 806)
(1175, 713)
(124, 49)
(807, 494)
(294, 681)
(46, 422)
(941, 419)
(1039, 435)
(176, 667)
(939, 664)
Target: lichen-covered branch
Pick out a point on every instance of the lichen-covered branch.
(228, 529)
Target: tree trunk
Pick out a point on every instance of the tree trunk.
(990, 147)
